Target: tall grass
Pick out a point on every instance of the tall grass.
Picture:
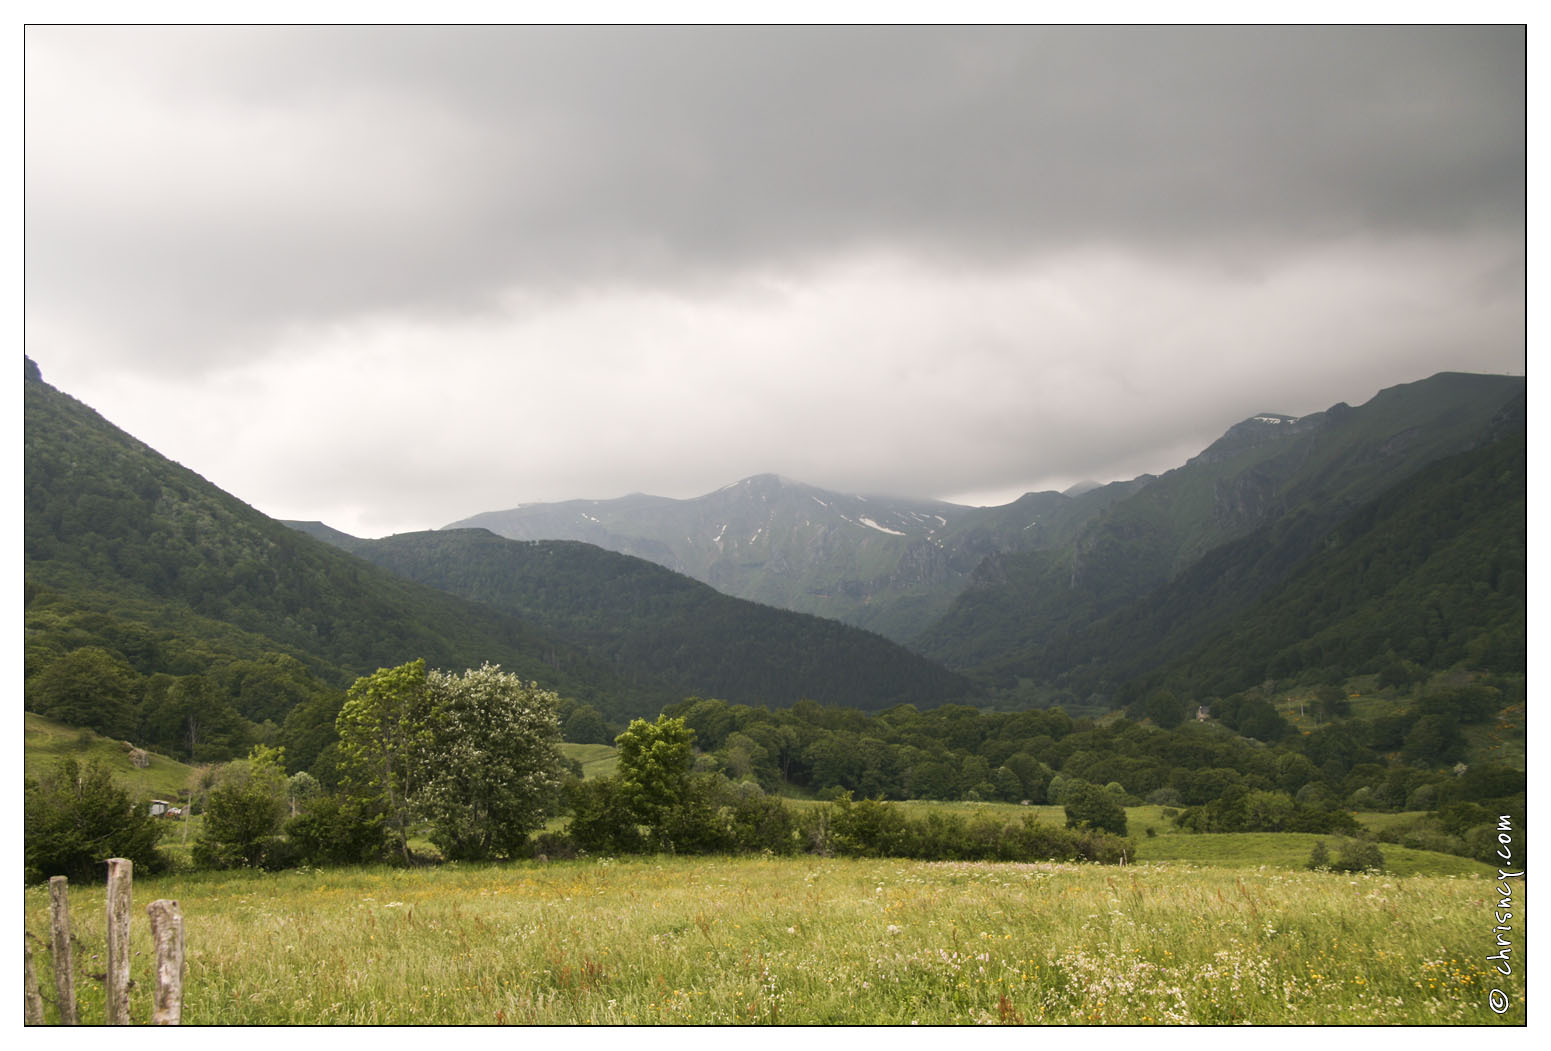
(811, 940)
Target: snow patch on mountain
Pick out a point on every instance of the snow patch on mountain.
(882, 529)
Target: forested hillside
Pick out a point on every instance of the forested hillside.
(160, 608)
(1166, 568)
(1254, 764)
(647, 620)
(1429, 575)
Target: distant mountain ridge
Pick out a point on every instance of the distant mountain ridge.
(1233, 522)
(887, 564)
(1017, 592)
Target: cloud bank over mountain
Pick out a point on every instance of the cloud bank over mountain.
(390, 277)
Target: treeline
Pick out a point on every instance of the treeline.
(1244, 769)
(471, 761)
(1403, 760)
(658, 802)
(717, 816)
(1393, 762)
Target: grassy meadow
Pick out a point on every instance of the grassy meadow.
(1209, 929)
(598, 760)
(814, 941)
(44, 742)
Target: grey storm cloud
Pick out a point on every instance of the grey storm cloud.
(325, 172)
(908, 258)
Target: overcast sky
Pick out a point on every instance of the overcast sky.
(389, 278)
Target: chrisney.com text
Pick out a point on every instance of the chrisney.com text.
(1496, 999)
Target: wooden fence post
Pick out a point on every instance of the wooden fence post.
(167, 933)
(120, 880)
(33, 1001)
(64, 962)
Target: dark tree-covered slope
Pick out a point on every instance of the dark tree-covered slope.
(1432, 572)
(113, 530)
(646, 619)
(1219, 532)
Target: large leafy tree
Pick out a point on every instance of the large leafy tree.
(1089, 806)
(653, 771)
(491, 762)
(383, 735)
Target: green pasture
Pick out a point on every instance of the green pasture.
(45, 741)
(812, 941)
(598, 760)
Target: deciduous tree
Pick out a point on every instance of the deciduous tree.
(1089, 806)
(585, 726)
(382, 737)
(654, 763)
(491, 762)
(243, 811)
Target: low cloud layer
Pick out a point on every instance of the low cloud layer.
(389, 278)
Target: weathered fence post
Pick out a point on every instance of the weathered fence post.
(64, 963)
(167, 933)
(120, 879)
(34, 1002)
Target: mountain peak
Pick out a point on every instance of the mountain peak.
(770, 479)
(1259, 429)
(765, 487)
